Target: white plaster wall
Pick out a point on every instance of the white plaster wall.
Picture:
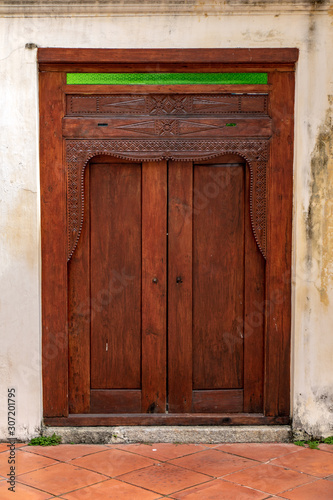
(312, 357)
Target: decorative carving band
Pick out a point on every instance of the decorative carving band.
(168, 104)
(79, 152)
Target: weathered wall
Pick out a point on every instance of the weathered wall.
(307, 25)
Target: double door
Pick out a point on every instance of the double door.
(166, 291)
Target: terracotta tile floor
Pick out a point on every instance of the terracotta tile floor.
(176, 471)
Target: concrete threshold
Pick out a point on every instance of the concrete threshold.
(172, 434)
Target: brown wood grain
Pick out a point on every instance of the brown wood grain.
(220, 401)
(161, 89)
(150, 126)
(152, 67)
(279, 233)
(79, 317)
(154, 286)
(218, 276)
(115, 401)
(180, 215)
(252, 327)
(54, 247)
(115, 241)
(179, 56)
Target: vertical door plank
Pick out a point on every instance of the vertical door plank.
(79, 316)
(180, 175)
(115, 240)
(218, 276)
(279, 230)
(54, 247)
(154, 254)
(254, 320)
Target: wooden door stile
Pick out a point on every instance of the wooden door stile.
(154, 286)
(79, 316)
(54, 247)
(180, 219)
(279, 222)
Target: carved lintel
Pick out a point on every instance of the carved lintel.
(79, 152)
(168, 104)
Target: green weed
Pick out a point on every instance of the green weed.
(53, 440)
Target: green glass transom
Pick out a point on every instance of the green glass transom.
(166, 78)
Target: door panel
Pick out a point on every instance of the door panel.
(115, 255)
(212, 254)
(218, 276)
(117, 291)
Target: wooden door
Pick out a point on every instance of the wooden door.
(117, 295)
(166, 289)
(160, 274)
(215, 280)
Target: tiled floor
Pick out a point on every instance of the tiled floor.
(177, 471)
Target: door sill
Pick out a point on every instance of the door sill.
(134, 419)
(204, 434)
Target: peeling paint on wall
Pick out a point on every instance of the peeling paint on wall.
(314, 410)
(319, 216)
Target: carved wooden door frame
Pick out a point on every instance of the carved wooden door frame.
(266, 143)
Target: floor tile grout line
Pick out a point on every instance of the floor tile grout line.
(173, 492)
(219, 451)
(83, 487)
(142, 487)
(35, 470)
(161, 460)
(293, 470)
(119, 449)
(38, 489)
(248, 487)
(99, 473)
(262, 491)
(164, 460)
(300, 485)
(242, 456)
(71, 491)
(174, 465)
(279, 466)
(65, 461)
(219, 479)
(228, 473)
(116, 477)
